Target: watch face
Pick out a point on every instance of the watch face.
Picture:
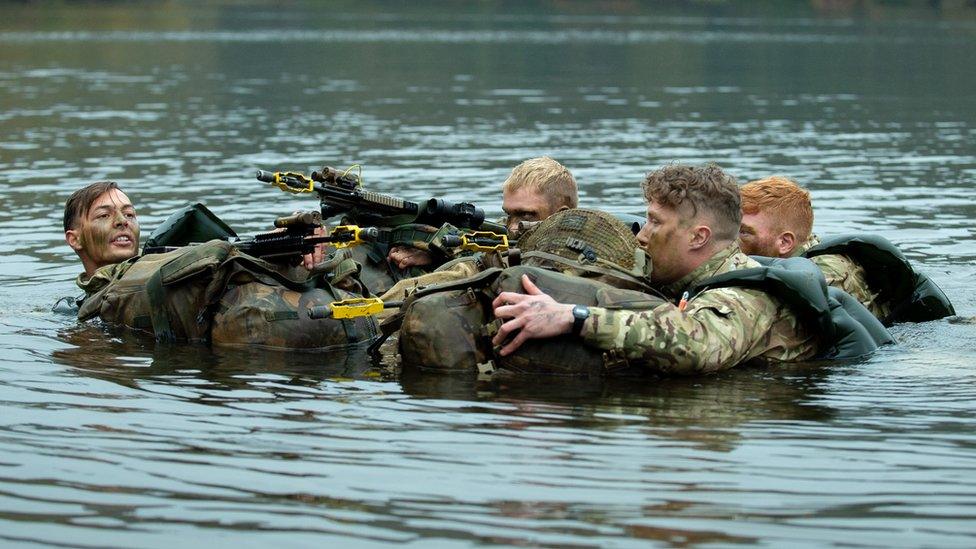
(581, 311)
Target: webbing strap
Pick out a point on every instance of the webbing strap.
(605, 268)
(157, 306)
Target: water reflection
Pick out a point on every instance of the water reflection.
(130, 359)
(109, 439)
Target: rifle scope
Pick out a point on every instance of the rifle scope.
(328, 174)
(461, 214)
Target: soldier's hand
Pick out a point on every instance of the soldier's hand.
(533, 314)
(408, 256)
(318, 254)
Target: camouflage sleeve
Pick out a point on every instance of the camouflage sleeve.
(842, 272)
(719, 329)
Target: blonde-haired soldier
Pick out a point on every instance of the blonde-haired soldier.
(533, 191)
(536, 189)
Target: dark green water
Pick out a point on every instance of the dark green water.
(107, 440)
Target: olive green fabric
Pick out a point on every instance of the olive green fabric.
(588, 243)
(444, 331)
(379, 275)
(449, 328)
(577, 256)
(442, 326)
(846, 329)
(165, 294)
(188, 225)
(271, 316)
(568, 355)
(903, 294)
(213, 293)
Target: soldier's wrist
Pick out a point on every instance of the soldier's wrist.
(580, 314)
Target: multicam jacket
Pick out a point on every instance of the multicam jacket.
(718, 329)
(843, 272)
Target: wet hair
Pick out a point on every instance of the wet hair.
(547, 177)
(81, 200)
(706, 188)
(783, 200)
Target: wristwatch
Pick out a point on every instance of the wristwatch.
(580, 314)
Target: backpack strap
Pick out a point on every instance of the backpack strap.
(599, 266)
(393, 323)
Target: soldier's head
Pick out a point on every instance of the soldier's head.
(536, 189)
(692, 212)
(100, 225)
(776, 217)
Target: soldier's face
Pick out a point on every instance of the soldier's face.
(108, 233)
(758, 235)
(665, 240)
(524, 205)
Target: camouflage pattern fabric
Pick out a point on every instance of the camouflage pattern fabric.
(212, 292)
(379, 275)
(587, 237)
(844, 273)
(811, 241)
(273, 317)
(568, 355)
(457, 269)
(102, 277)
(444, 331)
(719, 329)
(163, 294)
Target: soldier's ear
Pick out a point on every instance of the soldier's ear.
(701, 235)
(73, 239)
(785, 244)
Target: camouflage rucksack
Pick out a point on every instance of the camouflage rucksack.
(575, 256)
(211, 292)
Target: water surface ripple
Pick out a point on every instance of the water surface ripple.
(108, 440)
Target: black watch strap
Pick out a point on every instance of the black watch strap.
(580, 314)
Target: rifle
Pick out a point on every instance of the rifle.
(296, 238)
(342, 193)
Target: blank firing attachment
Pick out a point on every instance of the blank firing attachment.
(351, 308)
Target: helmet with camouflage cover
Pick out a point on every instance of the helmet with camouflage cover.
(588, 243)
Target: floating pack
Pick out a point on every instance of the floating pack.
(583, 257)
(190, 224)
(911, 295)
(448, 328)
(212, 293)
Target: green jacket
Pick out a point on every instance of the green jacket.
(736, 313)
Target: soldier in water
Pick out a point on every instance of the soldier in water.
(719, 316)
(777, 221)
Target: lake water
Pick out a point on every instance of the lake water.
(108, 441)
